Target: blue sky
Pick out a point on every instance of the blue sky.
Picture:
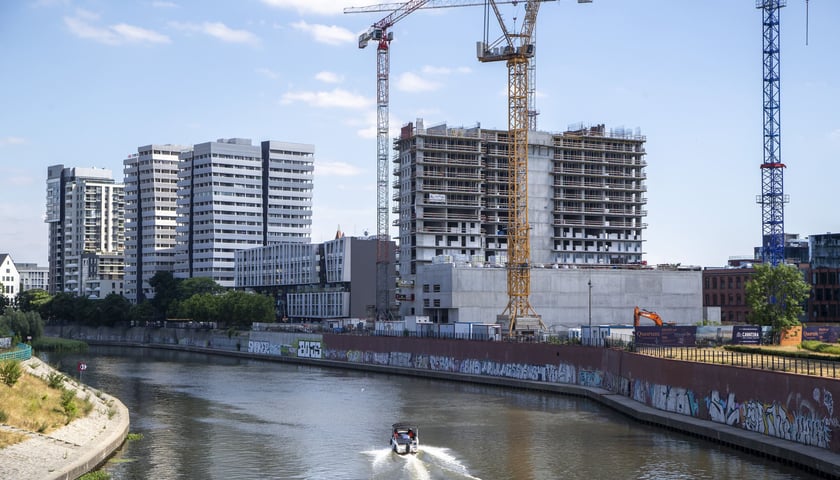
(85, 82)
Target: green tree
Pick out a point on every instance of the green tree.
(60, 308)
(775, 295)
(113, 309)
(197, 286)
(142, 312)
(33, 300)
(203, 307)
(165, 286)
(241, 309)
(24, 324)
(5, 303)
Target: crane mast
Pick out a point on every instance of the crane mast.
(516, 49)
(772, 198)
(380, 32)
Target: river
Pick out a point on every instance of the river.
(214, 417)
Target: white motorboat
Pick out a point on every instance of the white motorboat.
(404, 438)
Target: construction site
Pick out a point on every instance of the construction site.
(536, 231)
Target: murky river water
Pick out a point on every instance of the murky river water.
(213, 417)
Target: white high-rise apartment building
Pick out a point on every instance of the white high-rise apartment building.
(85, 214)
(233, 195)
(151, 194)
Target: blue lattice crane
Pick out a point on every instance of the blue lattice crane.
(772, 198)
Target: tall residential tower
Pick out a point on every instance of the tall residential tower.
(233, 195)
(85, 214)
(151, 192)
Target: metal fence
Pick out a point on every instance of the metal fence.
(21, 352)
(802, 366)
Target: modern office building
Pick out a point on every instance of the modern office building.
(85, 215)
(586, 192)
(824, 305)
(233, 195)
(332, 280)
(33, 276)
(9, 278)
(151, 194)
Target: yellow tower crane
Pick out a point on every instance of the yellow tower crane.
(516, 49)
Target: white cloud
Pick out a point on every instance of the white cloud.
(328, 34)
(219, 31)
(329, 77)
(83, 25)
(835, 134)
(337, 169)
(11, 141)
(337, 98)
(410, 82)
(320, 7)
(162, 4)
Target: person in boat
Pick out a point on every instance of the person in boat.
(410, 434)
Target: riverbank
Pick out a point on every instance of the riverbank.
(73, 450)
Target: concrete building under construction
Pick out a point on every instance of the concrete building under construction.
(586, 193)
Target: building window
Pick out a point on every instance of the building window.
(436, 288)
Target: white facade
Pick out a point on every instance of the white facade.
(33, 277)
(9, 278)
(288, 195)
(85, 213)
(151, 193)
(332, 280)
(233, 195)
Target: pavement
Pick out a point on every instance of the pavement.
(73, 450)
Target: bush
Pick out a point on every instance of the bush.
(55, 380)
(10, 372)
(68, 403)
(816, 346)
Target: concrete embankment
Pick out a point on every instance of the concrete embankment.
(73, 450)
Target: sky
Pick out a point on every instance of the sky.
(85, 82)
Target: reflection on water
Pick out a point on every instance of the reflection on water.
(213, 417)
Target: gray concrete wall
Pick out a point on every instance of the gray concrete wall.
(561, 295)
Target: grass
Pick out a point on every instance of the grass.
(31, 405)
(55, 344)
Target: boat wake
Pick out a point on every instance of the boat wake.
(430, 463)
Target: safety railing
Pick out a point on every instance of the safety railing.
(780, 363)
(21, 352)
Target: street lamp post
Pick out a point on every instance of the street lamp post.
(590, 310)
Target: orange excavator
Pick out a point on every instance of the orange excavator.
(639, 313)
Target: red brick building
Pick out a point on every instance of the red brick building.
(725, 287)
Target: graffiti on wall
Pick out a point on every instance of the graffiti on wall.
(665, 397)
(804, 420)
(590, 378)
(807, 419)
(262, 347)
(723, 410)
(307, 349)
